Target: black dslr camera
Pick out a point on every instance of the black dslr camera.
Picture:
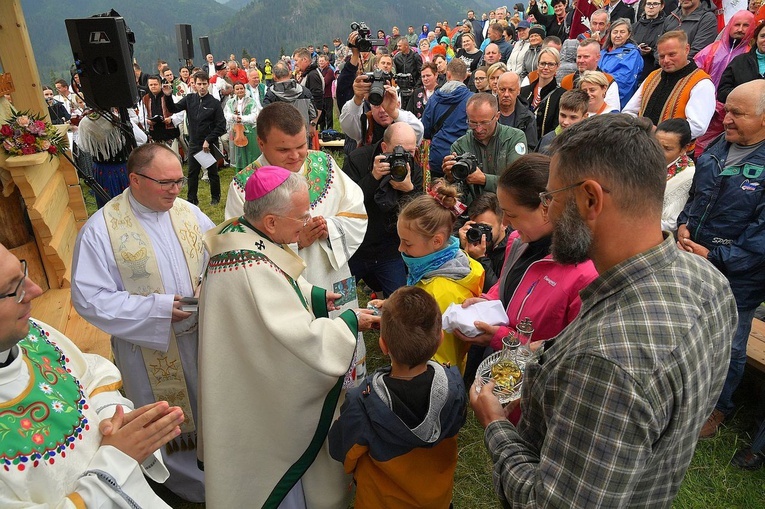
(364, 43)
(398, 160)
(477, 231)
(377, 92)
(464, 165)
(379, 78)
(404, 81)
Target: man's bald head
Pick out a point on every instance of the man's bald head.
(744, 120)
(491, 54)
(509, 78)
(399, 133)
(508, 88)
(755, 91)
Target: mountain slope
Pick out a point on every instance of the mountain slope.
(266, 26)
(262, 27)
(153, 23)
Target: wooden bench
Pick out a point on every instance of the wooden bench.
(332, 144)
(755, 348)
(329, 146)
(54, 307)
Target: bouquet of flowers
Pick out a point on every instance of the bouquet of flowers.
(27, 133)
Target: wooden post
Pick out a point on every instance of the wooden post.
(18, 59)
(50, 189)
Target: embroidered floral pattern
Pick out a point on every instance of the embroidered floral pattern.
(234, 260)
(320, 176)
(240, 179)
(49, 419)
(677, 166)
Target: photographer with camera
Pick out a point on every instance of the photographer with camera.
(488, 147)
(388, 176)
(375, 103)
(484, 237)
(408, 61)
(154, 114)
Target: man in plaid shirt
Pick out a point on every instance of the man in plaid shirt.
(612, 412)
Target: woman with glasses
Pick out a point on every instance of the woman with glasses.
(480, 80)
(621, 59)
(424, 49)
(542, 94)
(645, 33)
(531, 284)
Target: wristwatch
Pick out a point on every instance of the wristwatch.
(313, 123)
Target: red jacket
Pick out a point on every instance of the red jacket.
(240, 76)
(548, 294)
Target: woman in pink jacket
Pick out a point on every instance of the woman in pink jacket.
(531, 284)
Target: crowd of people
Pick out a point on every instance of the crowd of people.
(595, 172)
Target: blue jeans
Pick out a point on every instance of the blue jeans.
(737, 360)
(385, 275)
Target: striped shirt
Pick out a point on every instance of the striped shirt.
(611, 416)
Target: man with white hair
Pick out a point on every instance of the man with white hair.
(722, 222)
(290, 357)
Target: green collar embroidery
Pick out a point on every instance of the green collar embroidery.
(47, 419)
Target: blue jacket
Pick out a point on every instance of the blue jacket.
(454, 126)
(393, 464)
(625, 64)
(725, 213)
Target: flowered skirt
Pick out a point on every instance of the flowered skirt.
(113, 177)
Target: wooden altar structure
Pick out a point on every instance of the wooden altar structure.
(41, 204)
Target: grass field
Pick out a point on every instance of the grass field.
(709, 483)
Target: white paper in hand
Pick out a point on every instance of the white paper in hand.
(205, 159)
(458, 318)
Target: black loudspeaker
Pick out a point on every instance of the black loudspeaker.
(102, 50)
(185, 42)
(204, 45)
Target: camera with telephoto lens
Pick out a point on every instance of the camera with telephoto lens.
(477, 231)
(464, 165)
(377, 92)
(398, 160)
(364, 43)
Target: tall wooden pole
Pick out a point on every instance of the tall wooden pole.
(55, 191)
(18, 59)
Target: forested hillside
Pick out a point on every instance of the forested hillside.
(263, 27)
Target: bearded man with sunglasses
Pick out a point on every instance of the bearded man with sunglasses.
(134, 262)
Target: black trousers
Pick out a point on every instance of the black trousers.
(327, 120)
(212, 172)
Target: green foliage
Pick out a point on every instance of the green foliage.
(152, 22)
(303, 23)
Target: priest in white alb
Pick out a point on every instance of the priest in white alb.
(133, 262)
